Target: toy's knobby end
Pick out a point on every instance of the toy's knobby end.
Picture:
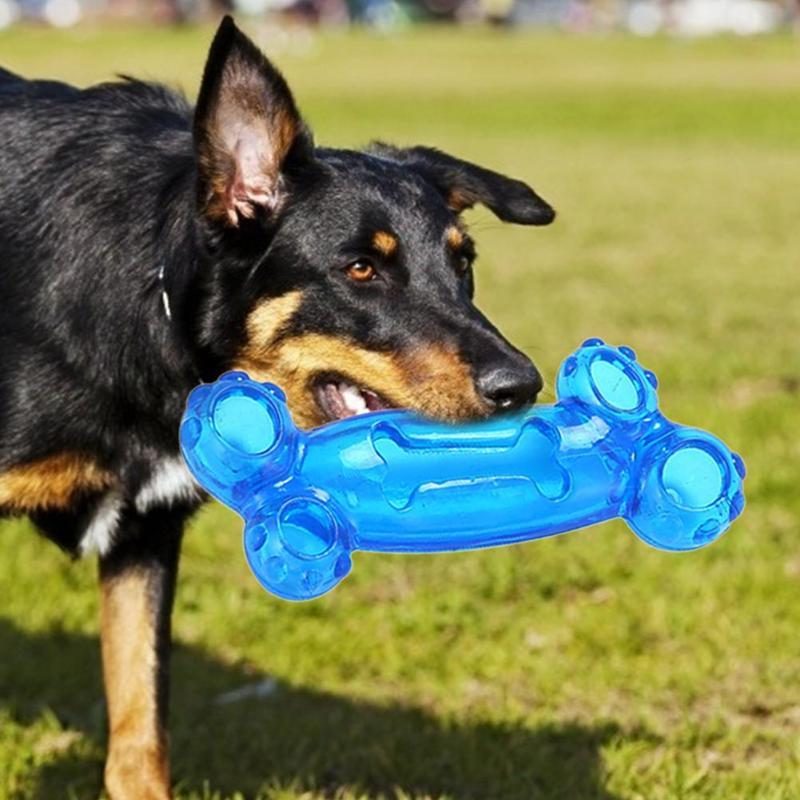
(689, 491)
(610, 380)
(302, 550)
(235, 429)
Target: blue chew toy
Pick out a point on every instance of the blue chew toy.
(392, 482)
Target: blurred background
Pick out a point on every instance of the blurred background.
(586, 667)
(641, 17)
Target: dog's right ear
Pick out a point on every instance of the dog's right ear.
(246, 129)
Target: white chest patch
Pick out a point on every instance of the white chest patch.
(170, 483)
(99, 534)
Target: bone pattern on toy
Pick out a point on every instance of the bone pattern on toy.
(390, 481)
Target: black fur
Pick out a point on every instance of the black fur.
(95, 186)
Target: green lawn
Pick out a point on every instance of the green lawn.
(583, 667)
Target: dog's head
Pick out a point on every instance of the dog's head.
(345, 277)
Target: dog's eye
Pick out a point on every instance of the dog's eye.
(463, 263)
(361, 271)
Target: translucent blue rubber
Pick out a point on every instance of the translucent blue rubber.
(392, 482)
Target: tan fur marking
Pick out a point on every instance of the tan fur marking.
(459, 200)
(51, 483)
(385, 243)
(137, 767)
(455, 237)
(269, 317)
(430, 379)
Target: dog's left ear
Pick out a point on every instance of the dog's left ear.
(246, 129)
(464, 184)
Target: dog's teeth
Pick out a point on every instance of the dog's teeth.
(353, 399)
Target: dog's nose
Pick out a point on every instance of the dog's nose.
(509, 388)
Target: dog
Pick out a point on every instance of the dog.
(146, 247)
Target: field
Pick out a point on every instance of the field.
(588, 667)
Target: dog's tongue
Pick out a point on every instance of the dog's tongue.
(372, 401)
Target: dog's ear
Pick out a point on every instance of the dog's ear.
(246, 129)
(464, 184)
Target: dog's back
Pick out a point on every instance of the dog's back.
(85, 176)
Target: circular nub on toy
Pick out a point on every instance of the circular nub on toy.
(615, 385)
(237, 433)
(302, 551)
(610, 380)
(248, 424)
(690, 491)
(693, 476)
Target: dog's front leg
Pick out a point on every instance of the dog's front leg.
(138, 581)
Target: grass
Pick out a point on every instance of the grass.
(584, 667)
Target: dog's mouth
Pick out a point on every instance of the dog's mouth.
(339, 398)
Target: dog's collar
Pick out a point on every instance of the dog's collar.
(164, 294)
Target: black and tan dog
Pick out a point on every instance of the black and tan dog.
(145, 247)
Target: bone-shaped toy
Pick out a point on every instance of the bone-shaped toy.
(390, 481)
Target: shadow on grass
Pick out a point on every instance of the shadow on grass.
(293, 736)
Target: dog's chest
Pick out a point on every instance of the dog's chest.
(169, 484)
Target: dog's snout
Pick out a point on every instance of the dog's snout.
(509, 387)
